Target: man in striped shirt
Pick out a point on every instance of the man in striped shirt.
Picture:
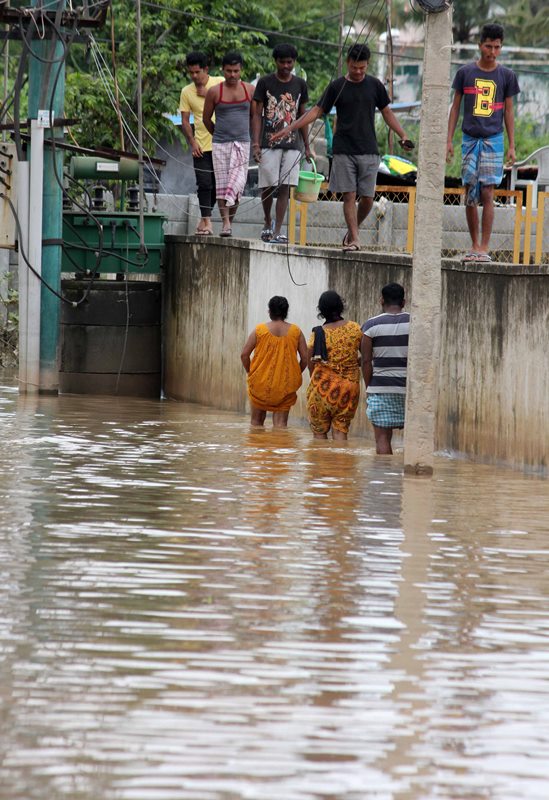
(384, 352)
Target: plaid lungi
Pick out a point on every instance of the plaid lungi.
(386, 410)
(482, 163)
(230, 163)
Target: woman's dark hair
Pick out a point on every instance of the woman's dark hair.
(232, 58)
(284, 51)
(330, 306)
(492, 30)
(196, 58)
(359, 52)
(278, 307)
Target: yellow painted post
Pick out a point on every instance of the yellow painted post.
(540, 226)
(303, 211)
(292, 212)
(527, 225)
(411, 219)
(518, 226)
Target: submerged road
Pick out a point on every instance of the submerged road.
(193, 611)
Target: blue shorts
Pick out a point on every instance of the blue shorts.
(386, 410)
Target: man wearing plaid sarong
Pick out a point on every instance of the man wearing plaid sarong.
(488, 90)
(384, 351)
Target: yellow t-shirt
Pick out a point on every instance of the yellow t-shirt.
(192, 103)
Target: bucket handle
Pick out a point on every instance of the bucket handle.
(311, 161)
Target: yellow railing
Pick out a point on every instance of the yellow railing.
(527, 217)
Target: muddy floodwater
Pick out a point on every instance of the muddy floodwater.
(193, 611)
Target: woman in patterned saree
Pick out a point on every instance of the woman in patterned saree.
(334, 390)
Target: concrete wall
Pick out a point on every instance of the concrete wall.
(494, 383)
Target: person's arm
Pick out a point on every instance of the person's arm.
(302, 109)
(310, 363)
(210, 103)
(314, 113)
(391, 120)
(247, 351)
(187, 129)
(509, 119)
(303, 352)
(366, 351)
(452, 124)
(257, 121)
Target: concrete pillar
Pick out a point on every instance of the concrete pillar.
(423, 352)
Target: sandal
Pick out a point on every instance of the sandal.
(280, 238)
(203, 232)
(483, 258)
(267, 233)
(351, 248)
(228, 232)
(471, 256)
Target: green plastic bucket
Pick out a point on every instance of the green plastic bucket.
(308, 185)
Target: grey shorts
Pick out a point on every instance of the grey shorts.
(354, 174)
(278, 166)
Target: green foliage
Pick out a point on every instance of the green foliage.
(527, 23)
(167, 35)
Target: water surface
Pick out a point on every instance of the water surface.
(194, 611)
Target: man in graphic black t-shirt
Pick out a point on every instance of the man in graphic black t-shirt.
(356, 157)
(279, 99)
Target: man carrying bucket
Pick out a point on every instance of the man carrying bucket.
(279, 100)
(356, 157)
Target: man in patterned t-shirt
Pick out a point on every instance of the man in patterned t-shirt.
(487, 90)
(279, 99)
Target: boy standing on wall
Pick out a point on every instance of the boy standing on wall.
(199, 140)
(488, 90)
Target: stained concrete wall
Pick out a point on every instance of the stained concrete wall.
(494, 384)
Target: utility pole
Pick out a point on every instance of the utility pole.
(390, 69)
(341, 38)
(424, 344)
(46, 100)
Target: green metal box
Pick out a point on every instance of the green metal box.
(120, 247)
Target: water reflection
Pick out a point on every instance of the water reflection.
(192, 610)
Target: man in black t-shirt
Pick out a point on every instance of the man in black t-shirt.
(356, 157)
(279, 99)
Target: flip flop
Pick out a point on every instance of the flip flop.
(470, 256)
(228, 232)
(267, 233)
(203, 233)
(344, 242)
(351, 248)
(483, 258)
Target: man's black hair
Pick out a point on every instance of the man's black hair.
(284, 51)
(196, 57)
(359, 52)
(233, 57)
(492, 30)
(393, 294)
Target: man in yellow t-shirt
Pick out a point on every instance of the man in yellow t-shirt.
(199, 139)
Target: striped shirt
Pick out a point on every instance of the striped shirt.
(389, 335)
